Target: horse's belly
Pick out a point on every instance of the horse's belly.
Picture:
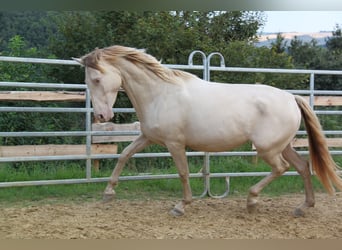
(214, 140)
(217, 146)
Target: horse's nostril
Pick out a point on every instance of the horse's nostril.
(100, 117)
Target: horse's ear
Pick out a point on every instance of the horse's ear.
(79, 60)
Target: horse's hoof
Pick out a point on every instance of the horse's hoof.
(252, 206)
(298, 212)
(175, 212)
(108, 197)
(303, 209)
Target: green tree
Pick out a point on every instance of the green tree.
(241, 54)
(164, 35)
(331, 61)
(31, 121)
(78, 32)
(334, 43)
(306, 55)
(279, 45)
(309, 55)
(228, 26)
(168, 35)
(24, 72)
(33, 26)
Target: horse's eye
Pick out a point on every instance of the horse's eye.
(96, 81)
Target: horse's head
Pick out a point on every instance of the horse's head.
(104, 82)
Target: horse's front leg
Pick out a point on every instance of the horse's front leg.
(137, 145)
(179, 157)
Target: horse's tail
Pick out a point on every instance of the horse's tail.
(321, 160)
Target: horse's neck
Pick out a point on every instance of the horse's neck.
(141, 86)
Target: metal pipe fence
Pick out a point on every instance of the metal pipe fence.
(87, 133)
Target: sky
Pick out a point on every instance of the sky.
(302, 21)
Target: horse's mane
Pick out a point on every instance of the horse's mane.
(138, 57)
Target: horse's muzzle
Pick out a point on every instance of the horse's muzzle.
(104, 117)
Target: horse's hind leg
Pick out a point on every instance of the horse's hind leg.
(279, 166)
(302, 166)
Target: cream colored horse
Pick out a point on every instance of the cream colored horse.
(177, 109)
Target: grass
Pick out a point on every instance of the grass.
(147, 189)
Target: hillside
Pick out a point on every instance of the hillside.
(265, 39)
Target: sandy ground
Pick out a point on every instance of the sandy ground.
(148, 219)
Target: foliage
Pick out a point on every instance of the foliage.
(169, 36)
(334, 43)
(305, 55)
(18, 47)
(333, 61)
(228, 26)
(309, 55)
(242, 54)
(30, 121)
(34, 26)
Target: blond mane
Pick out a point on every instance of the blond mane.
(138, 57)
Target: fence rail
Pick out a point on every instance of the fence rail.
(88, 133)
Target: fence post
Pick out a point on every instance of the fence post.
(206, 168)
(204, 62)
(88, 137)
(207, 156)
(222, 63)
(312, 90)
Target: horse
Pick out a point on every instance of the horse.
(177, 109)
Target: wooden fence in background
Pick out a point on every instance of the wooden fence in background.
(100, 144)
